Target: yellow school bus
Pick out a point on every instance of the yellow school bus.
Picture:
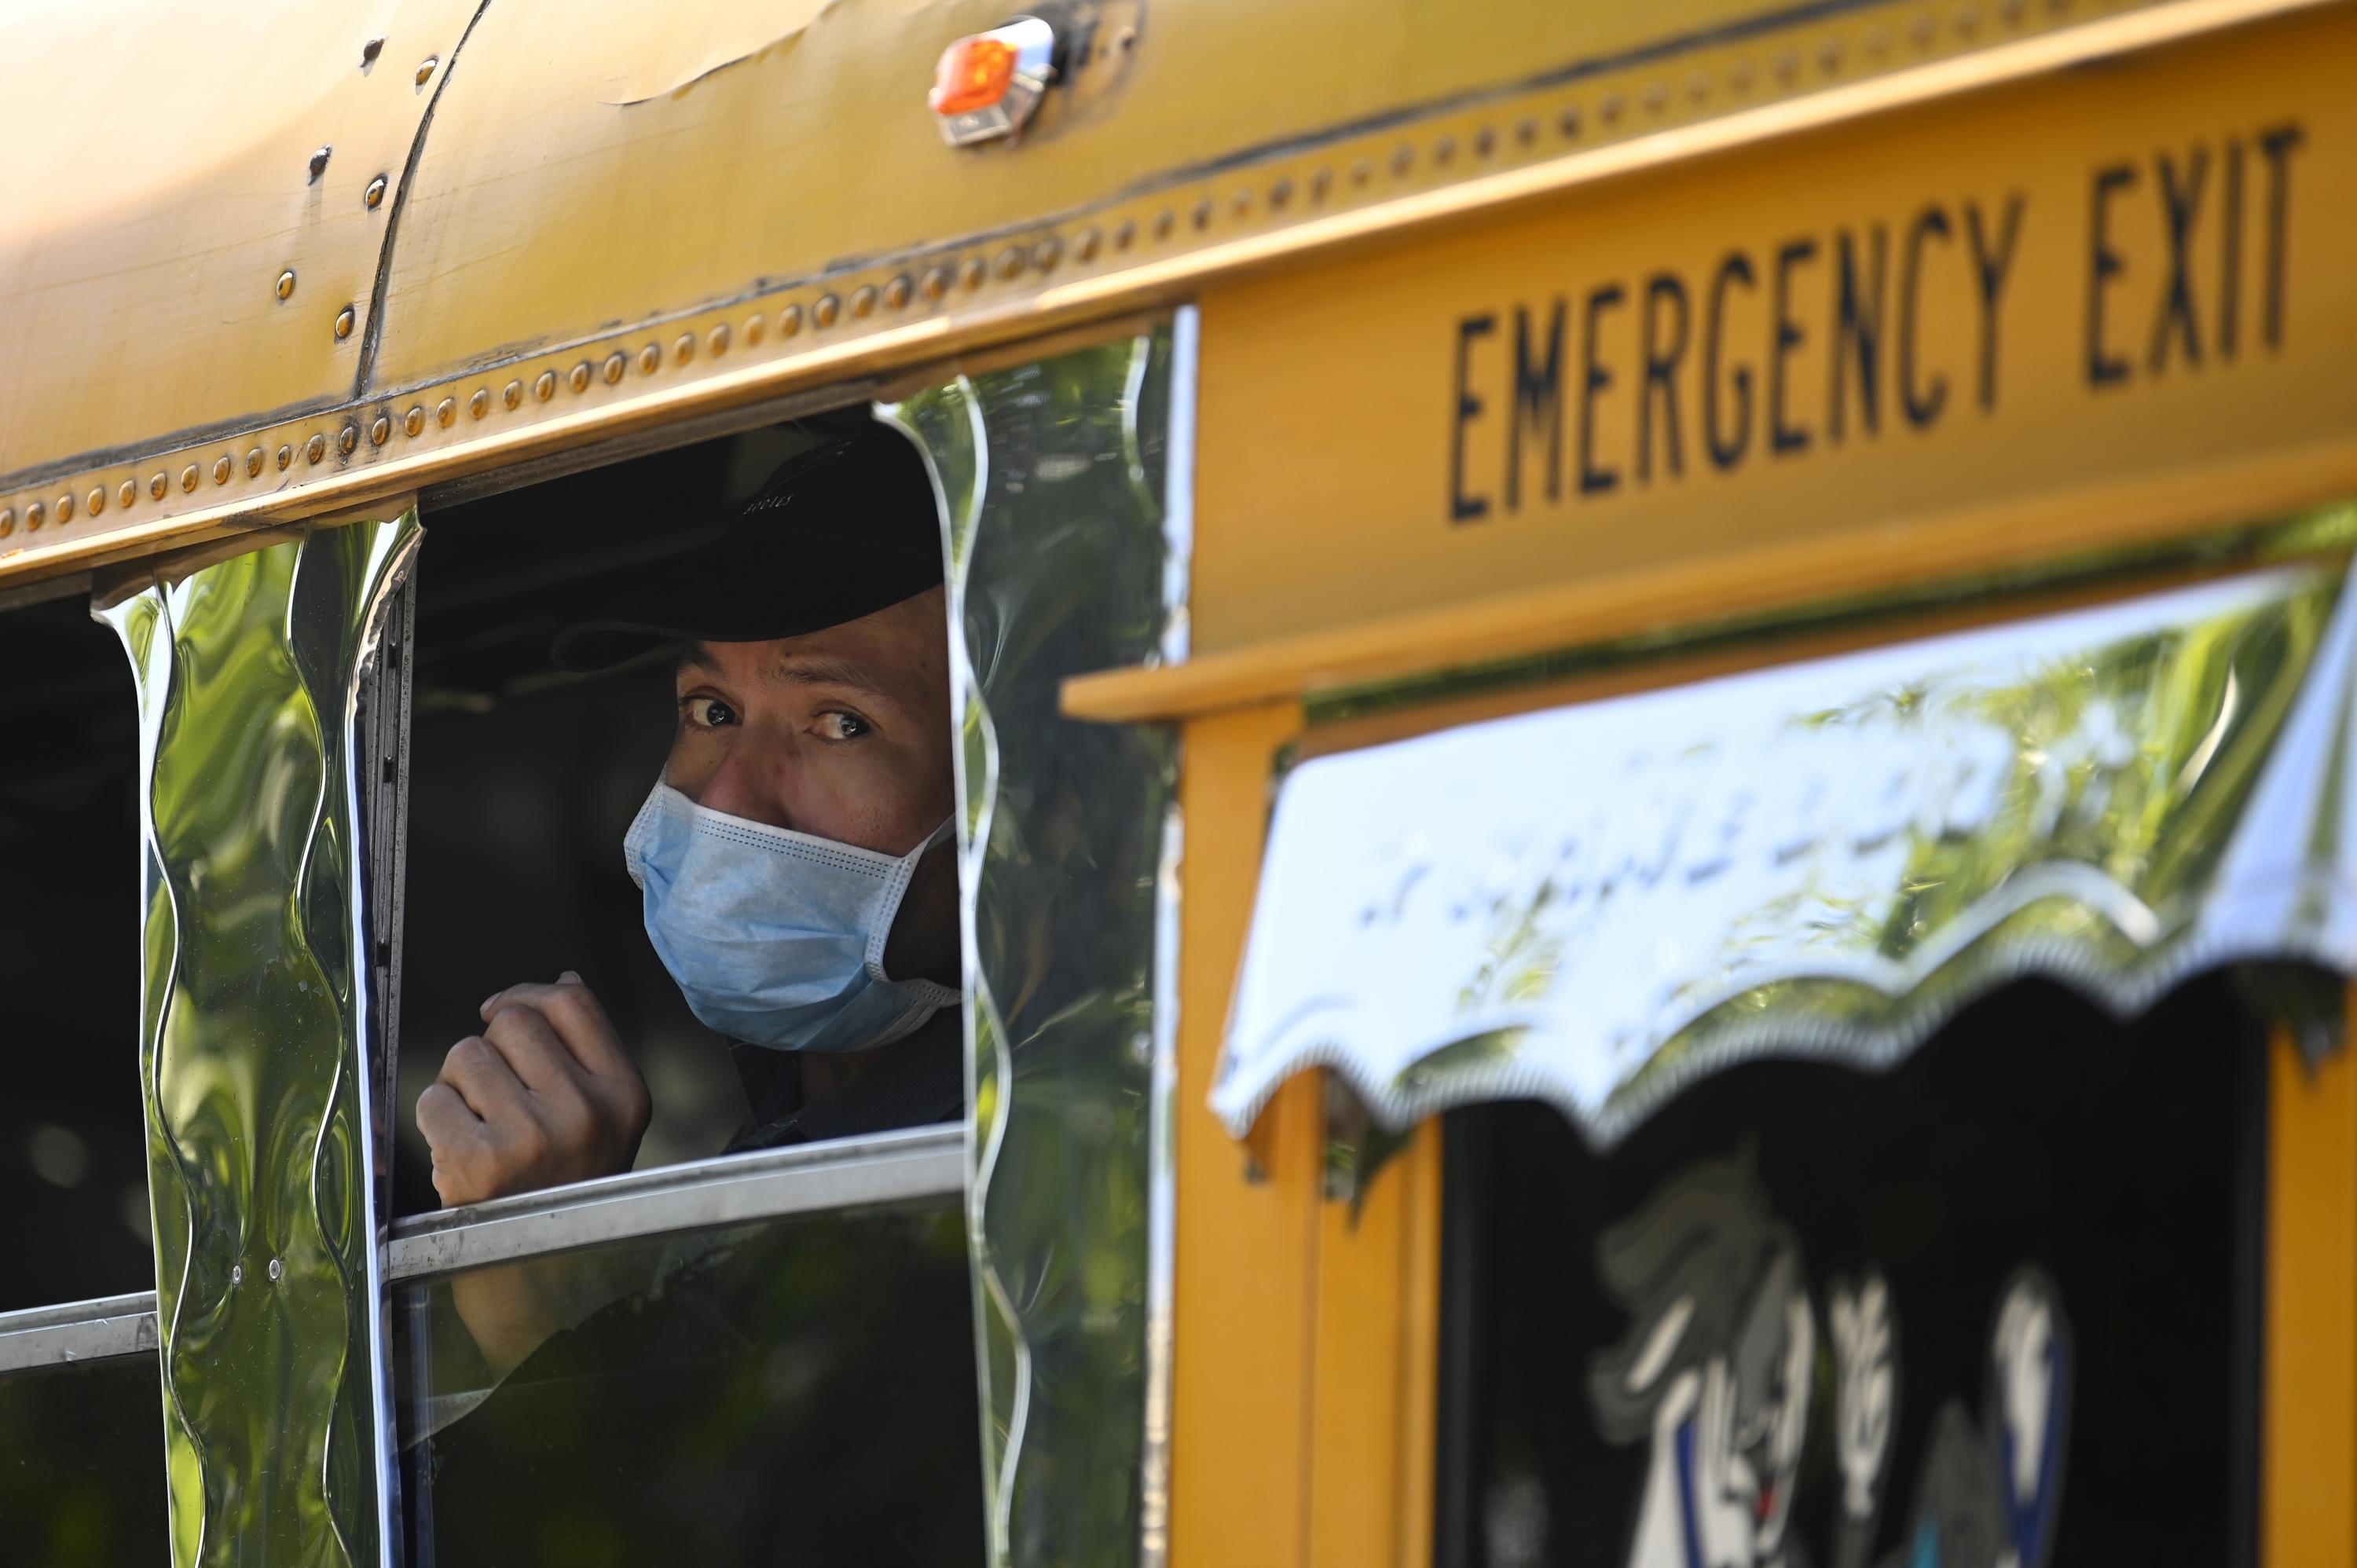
(1655, 807)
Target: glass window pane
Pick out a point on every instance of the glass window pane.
(1997, 1299)
(802, 1389)
(73, 1160)
(81, 1464)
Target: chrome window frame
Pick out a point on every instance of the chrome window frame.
(839, 1177)
(96, 1330)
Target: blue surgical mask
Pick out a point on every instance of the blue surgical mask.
(777, 938)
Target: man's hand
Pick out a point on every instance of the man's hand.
(544, 1095)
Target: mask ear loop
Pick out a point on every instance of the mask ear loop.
(888, 913)
(643, 828)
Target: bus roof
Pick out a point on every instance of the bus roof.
(262, 260)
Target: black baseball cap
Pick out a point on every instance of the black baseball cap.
(837, 532)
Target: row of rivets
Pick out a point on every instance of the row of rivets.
(225, 465)
(716, 341)
(1041, 256)
(1570, 125)
(412, 421)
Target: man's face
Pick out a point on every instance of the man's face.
(843, 734)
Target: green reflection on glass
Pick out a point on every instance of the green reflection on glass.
(2135, 761)
(2116, 815)
(1053, 475)
(82, 1443)
(254, 1023)
(1824, 859)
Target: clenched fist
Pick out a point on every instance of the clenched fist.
(543, 1096)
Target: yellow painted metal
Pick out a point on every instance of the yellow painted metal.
(805, 140)
(1347, 185)
(1363, 515)
(1305, 1435)
(1307, 1333)
(2308, 1438)
(649, 218)
(1327, 554)
(157, 186)
(1248, 1222)
(1375, 1365)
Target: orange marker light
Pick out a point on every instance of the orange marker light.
(974, 74)
(988, 84)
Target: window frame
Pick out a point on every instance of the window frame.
(843, 1175)
(840, 1177)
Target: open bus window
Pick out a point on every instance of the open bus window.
(698, 659)
(83, 1484)
(1989, 1306)
(73, 1171)
(703, 1390)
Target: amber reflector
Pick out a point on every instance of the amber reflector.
(974, 74)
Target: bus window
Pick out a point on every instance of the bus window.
(1998, 1298)
(80, 1418)
(83, 1487)
(526, 778)
(74, 1174)
(801, 1388)
(690, 1388)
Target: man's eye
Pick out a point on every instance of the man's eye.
(709, 713)
(835, 726)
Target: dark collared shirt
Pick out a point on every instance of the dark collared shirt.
(917, 1082)
(804, 1395)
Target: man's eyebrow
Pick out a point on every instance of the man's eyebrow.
(694, 658)
(804, 669)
